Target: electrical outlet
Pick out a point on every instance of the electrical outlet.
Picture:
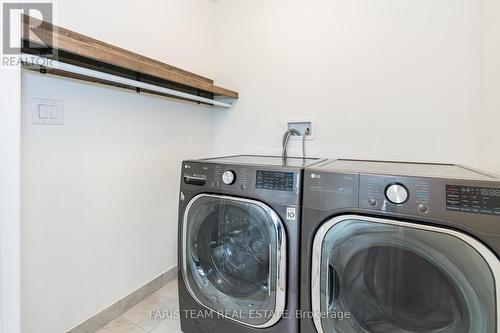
(47, 112)
(305, 126)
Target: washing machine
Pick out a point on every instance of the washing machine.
(239, 220)
(399, 247)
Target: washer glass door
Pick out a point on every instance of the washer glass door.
(234, 258)
(373, 275)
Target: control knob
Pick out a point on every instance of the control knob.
(396, 193)
(228, 177)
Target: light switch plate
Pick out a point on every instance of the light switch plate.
(47, 111)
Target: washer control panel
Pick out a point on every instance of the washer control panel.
(274, 180)
(277, 185)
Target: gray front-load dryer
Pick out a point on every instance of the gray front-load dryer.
(392, 247)
(239, 221)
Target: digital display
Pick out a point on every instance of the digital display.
(478, 200)
(274, 180)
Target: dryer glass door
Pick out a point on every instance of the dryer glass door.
(374, 275)
(234, 258)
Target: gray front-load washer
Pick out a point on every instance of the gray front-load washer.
(391, 247)
(239, 221)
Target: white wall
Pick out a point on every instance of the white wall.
(490, 86)
(387, 79)
(10, 201)
(178, 32)
(99, 194)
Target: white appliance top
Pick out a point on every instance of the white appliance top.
(433, 170)
(296, 162)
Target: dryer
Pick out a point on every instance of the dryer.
(400, 247)
(239, 220)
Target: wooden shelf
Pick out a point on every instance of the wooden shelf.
(84, 51)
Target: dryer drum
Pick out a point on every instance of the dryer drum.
(403, 278)
(388, 288)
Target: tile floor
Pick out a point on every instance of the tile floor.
(147, 315)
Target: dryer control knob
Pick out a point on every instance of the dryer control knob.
(397, 193)
(228, 177)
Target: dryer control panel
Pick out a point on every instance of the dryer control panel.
(467, 202)
(395, 194)
(470, 199)
(425, 196)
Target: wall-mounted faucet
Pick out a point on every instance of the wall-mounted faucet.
(286, 138)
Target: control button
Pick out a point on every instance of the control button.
(397, 194)
(423, 208)
(372, 202)
(228, 177)
(243, 187)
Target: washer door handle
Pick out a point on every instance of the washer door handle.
(270, 270)
(333, 287)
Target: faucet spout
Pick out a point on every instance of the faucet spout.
(286, 137)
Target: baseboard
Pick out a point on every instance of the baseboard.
(112, 312)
